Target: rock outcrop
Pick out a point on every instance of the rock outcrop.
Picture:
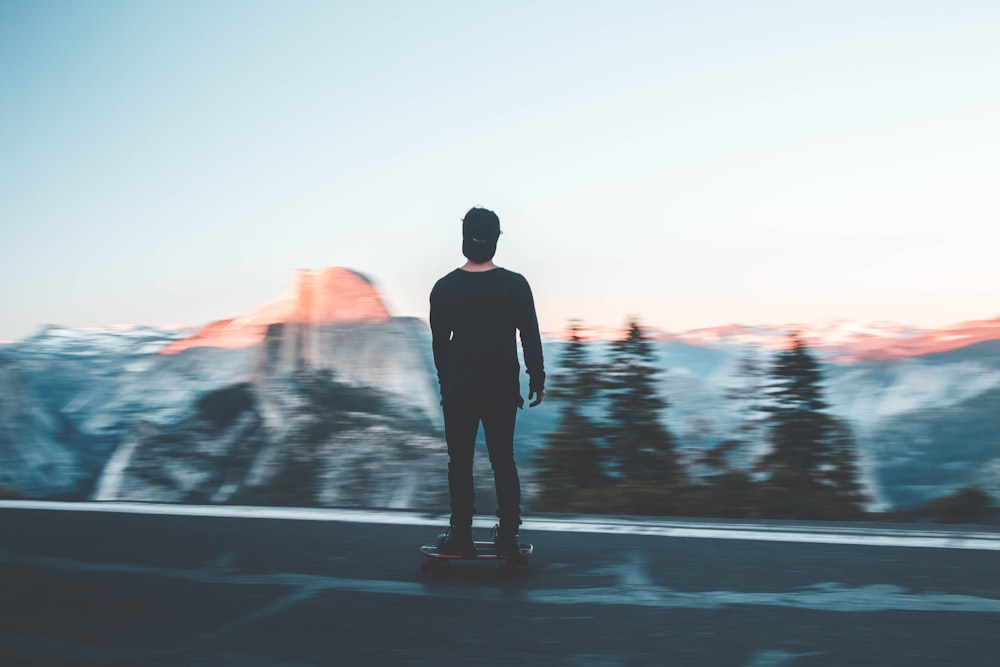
(326, 399)
(32, 460)
(322, 296)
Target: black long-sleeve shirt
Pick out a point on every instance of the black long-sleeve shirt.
(474, 316)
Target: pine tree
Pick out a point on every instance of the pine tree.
(812, 464)
(745, 395)
(642, 450)
(723, 484)
(842, 473)
(571, 462)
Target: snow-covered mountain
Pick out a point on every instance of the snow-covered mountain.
(323, 397)
(33, 460)
(923, 407)
(838, 340)
(99, 342)
(132, 400)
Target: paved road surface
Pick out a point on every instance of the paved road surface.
(253, 589)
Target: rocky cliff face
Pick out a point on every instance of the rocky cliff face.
(318, 398)
(391, 357)
(303, 440)
(319, 297)
(33, 461)
(335, 320)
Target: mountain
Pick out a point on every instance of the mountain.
(316, 383)
(33, 457)
(323, 397)
(134, 399)
(314, 442)
(931, 423)
(924, 423)
(66, 377)
(839, 340)
(923, 451)
(320, 297)
(341, 420)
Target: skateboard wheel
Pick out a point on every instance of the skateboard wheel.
(432, 566)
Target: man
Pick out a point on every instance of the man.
(475, 311)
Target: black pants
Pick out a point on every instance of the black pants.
(462, 416)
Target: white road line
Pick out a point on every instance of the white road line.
(981, 540)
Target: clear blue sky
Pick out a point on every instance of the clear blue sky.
(694, 163)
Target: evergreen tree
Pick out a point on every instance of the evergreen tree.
(579, 377)
(969, 504)
(812, 464)
(642, 450)
(842, 473)
(798, 409)
(746, 395)
(725, 486)
(570, 463)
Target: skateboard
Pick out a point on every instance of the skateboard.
(436, 560)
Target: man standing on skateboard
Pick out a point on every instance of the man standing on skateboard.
(475, 311)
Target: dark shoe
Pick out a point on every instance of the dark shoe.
(506, 542)
(458, 541)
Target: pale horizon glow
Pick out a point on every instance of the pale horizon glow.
(691, 164)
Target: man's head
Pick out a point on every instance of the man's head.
(480, 231)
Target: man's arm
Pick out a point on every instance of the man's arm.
(531, 344)
(440, 337)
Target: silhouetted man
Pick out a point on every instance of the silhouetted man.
(475, 311)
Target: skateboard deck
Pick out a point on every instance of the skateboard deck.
(484, 551)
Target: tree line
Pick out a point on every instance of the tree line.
(611, 453)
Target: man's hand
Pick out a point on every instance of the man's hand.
(540, 395)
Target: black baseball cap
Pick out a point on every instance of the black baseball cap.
(480, 232)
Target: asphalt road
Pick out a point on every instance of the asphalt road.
(126, 588)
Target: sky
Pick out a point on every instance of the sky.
(691, 164)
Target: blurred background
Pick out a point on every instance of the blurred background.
(760, 241)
